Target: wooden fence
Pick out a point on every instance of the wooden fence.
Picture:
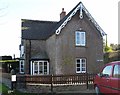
(82, 78)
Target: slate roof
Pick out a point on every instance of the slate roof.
(34, 29)
(41, 30)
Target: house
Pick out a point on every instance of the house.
(72, 45)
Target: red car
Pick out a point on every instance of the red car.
(108, 80)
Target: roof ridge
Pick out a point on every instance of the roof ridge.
(39, 20)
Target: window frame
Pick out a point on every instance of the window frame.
(79, 39)
(22, 51)
(39, 64)
(21, 69)
(80, 64)
(105, 70)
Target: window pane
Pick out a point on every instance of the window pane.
(77, 38)
(83, 60)
(36, 66)
(83, 65)
(45, 71)
(21, 63)
(78, 69)
(45, 67)
(21, 66)
(78, 65)
(83, 69)
(80, 38)
(116, 72)
(78, 61)
(45, 63)
(40, 68)
(22, 70)
(107, 70)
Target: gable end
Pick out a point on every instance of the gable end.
(81, 8)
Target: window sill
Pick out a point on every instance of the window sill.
(80, 46)
(80, 72)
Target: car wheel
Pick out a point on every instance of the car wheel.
(97, 90)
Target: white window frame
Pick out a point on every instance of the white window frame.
(21, 65)
(38, 68)
(22, 51)
(81, 65)
(80, 38)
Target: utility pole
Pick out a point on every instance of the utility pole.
(106, 41)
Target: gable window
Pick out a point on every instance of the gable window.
(80, 38)
(40, 68)
(80, 65)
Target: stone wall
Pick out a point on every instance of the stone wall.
(32, 88)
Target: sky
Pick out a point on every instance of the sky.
(105, 12)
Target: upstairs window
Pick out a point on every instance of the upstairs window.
(80, 38)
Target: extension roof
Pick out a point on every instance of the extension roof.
(34, 29)
(42, 30)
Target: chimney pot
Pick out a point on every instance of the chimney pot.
(62, 14)
(62, 9)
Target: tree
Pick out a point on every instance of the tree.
(115, 47)
(108, 49)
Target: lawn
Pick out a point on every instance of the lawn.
(4, 89)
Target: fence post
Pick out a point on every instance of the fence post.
(87, 80)
(13, 79)
(25, 82)
(51, 83)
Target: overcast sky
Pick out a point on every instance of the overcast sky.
(105, 12)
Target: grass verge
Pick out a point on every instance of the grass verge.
(4, 90)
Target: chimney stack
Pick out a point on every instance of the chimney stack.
(62, 14)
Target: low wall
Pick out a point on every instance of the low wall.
(37, 88)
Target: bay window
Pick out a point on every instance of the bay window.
(39, 68)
